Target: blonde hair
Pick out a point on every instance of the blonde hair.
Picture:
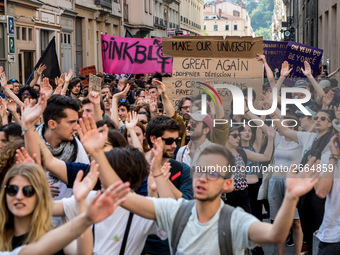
(41, 218)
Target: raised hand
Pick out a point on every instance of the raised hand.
(3, 109)
(23, 157)
(285, 71)
(46, 88)
(122, 94)
(90, 137)
(157, 152)
(58, 89)
(334, 144)
(327, 99)
(301, 182)
(103, 205)
(81, 188)
(11, 105)
(40, 69)
(307, 71)
(94, 97)
(153, 105)
(261, 58)
(33, 110)
(166, 170)
(54, 190)
(160, 86)
(68, 77)
(3, 79)
(131, 122)
(271, 132)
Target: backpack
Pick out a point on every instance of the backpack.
(224, 231)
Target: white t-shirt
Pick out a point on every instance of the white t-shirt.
(109, 233)
(306, 140)
(285, 152)
(14, 252)
(202, 238)
(329, 231)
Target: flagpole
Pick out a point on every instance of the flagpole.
(29, 78)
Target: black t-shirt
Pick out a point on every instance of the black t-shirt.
(18, 241)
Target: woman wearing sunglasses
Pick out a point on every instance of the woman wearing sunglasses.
(240, 197)
(311, 207)
(25, 206)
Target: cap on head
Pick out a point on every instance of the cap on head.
(199, 117)
(108, 77)
(324, 84)
(301, 84)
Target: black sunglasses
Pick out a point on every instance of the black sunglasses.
(143, 122)
(170, 141)
(235, 135)
(323, 118)
(12, 190)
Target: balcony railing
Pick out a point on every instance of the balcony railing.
(126, 12)
(156, 21)
(161, 22)
(165, 23)
(104, 3)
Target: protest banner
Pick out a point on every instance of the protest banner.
(122, 55)
(179, 87)
(275, 53)
(85, 71)
(95, 82)
(231, 47)
(217, 68)
(296, 54)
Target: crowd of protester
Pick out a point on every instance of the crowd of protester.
(119, 171)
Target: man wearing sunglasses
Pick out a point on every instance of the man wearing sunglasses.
(181, 183)
(200, 126)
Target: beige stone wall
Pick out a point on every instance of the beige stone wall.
(193, 11)
(328, 32)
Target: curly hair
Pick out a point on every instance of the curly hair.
(7, 155)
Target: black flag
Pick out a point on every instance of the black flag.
(50, 59)
(128, 34)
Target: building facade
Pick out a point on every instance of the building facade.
(279, 23)
(329, 36)
(192, 17)
(302, 19)
(226, 19)
(166, 15)
(76, 25)
(138, 17)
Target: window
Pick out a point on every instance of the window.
(215, 28)
(30, 34)
(69, 39)
(236, 13)
(205, 27)
(235, 27)
(227, 27)
(18, 33)
(23, 34)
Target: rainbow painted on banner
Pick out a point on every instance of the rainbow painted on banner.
(212, 89)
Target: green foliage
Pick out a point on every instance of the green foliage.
(265, 32)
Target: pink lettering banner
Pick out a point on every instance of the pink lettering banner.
(134, 55)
